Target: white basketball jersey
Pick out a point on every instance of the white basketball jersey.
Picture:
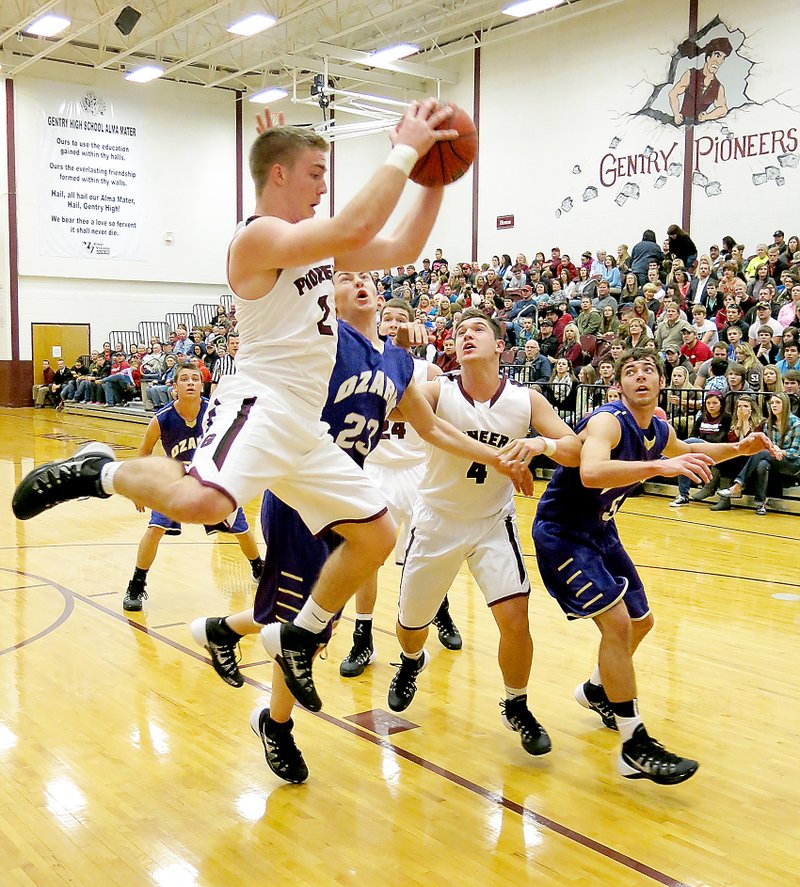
(399, 443)
(468, 490)
(287, 338)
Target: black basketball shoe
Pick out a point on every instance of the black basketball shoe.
(134, 596)
(518, 717)
(594, 697)
(404, 683)
(222, 645)
(362, 652)
(644, 758)
(74, 478)
(449, 636)
(283, 756)
(293, 648)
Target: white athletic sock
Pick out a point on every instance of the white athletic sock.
(414, 656)
(107, 473)
(312, 617)
(363, 617)
(513, 692)
(595, 678)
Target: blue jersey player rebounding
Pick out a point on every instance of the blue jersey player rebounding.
(368, 380)
(179, 428)
(581, 559)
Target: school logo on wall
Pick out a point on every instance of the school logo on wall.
(704, 101)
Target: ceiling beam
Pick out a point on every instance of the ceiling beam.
(416, 69)
(309, 63)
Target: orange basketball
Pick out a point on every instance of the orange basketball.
(446, 162)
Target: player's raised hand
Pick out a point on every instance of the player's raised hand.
(418, 126)
(758, 441)
(411, 335)
(695, 466)
(268, 121)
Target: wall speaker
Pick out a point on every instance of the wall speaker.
(127, 19)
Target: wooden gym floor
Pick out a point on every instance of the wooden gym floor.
(127, 761)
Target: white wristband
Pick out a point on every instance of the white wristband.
(402, 157)
(549, 446)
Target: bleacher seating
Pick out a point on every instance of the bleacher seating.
(173, 319)
(150, 328)
(204, 314)
(129, 338)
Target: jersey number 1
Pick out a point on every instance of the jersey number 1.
(477, 471)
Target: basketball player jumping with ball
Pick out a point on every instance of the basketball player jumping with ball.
(263, 428)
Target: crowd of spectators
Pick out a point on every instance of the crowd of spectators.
(115, 376)
(725, 321)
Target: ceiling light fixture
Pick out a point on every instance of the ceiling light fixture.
(272, 94)
(47, 25)
(252, 24)
(531, 7)
(390, 54)
(145, 74)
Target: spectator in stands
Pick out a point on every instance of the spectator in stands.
(119, 382)
(182, 343)
(672, 359)
(789, 313)
(641, 310)
(605, 370)
(161, 393)
(653, 289)
(559, 319)
(609, 325)
(692, 348)
(612, 276)
(736, 376)
(758, 281)
(221, 315)
(759, 259)
(532, 366)
(62, 376)
(589, 319)
(712, 375)
(766, 352)
(571, 346)
(736, 323)
(78, 370)
(746, 419)
(696, 294)
(760, 316)
(589, 396)
(771, 383)
(681, 400)
(783, 429)
(638, 333)
(706, 329)
(670, 330)
(791, 387)
(791, 356)
(526, 304)
(630, 290)
(525, 330)
(623, 259)
(584, 284)
(604, 297)
(516, 277)
(548, 341)
(743, 354)
(41, 392)
(642, 253)
(84, 381)
(681, 246)
(711, 425)
(776, 263)
(562, 389)
(153, 363)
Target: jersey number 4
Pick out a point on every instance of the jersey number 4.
(477, 472)
(393, 429)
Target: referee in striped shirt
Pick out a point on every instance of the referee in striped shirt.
(225, 366)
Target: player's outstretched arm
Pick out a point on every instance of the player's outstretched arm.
(598, 469)
(721, 452)
(270, 243)
(416, 408)
(557, 440)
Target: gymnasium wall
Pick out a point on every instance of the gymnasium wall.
(184, 191)
(5, 306)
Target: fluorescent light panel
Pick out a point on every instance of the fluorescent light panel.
(252, 24)
(390, 54)
(273, 94)
(531, 7)
(145, 74)
(47, 25)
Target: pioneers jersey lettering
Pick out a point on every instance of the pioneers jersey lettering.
(313, 277)
(492, 438)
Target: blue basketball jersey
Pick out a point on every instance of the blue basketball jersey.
(178, 438)
(568, 502)
(365, 386)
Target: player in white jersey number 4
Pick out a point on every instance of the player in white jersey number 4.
(464, 512)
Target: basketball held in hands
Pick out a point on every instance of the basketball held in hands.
(446, 162)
